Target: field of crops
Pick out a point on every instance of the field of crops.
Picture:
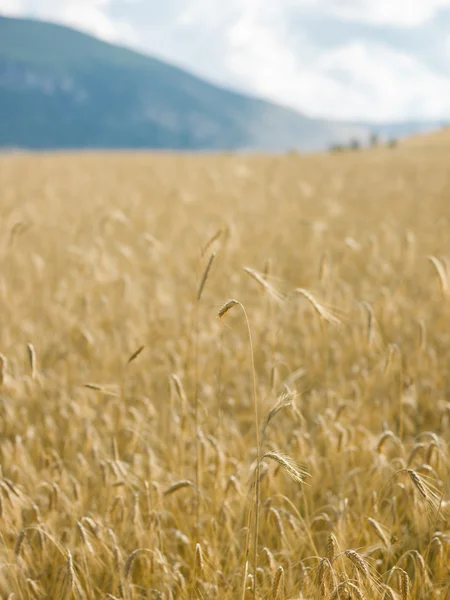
(225, 377)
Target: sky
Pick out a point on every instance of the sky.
(377, 60)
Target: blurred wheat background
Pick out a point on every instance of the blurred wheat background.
(127, 420)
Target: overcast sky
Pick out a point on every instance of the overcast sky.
(351, 59)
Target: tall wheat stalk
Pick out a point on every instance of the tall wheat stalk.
(225, 308)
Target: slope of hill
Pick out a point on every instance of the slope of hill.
(426, 141)
(60, 88)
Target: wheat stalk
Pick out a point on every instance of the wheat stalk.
(325, 314)
(376, 527)
(3, 369)
(205, 276)
(178, 485)
(264, 284)
(225, 308)
(332, 548)
(283, 401)
(277, 584)
(442, 274)
(32, 360)
(135, 354)
(132, 557)
(199, 564)
(297, 473)
(359, 563)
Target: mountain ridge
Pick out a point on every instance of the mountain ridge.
(61, 88)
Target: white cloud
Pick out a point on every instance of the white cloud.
(11, 7)
(256, 54)
(392, 83)
(91, 16)
(397, 13)
(356, 81)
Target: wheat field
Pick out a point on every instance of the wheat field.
(225, 377)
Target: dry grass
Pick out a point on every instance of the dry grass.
(130, 464)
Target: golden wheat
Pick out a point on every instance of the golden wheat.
(141, 436)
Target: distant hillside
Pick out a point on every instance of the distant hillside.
(60, 88)
(434, 140)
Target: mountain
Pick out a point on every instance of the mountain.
(60, 88)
